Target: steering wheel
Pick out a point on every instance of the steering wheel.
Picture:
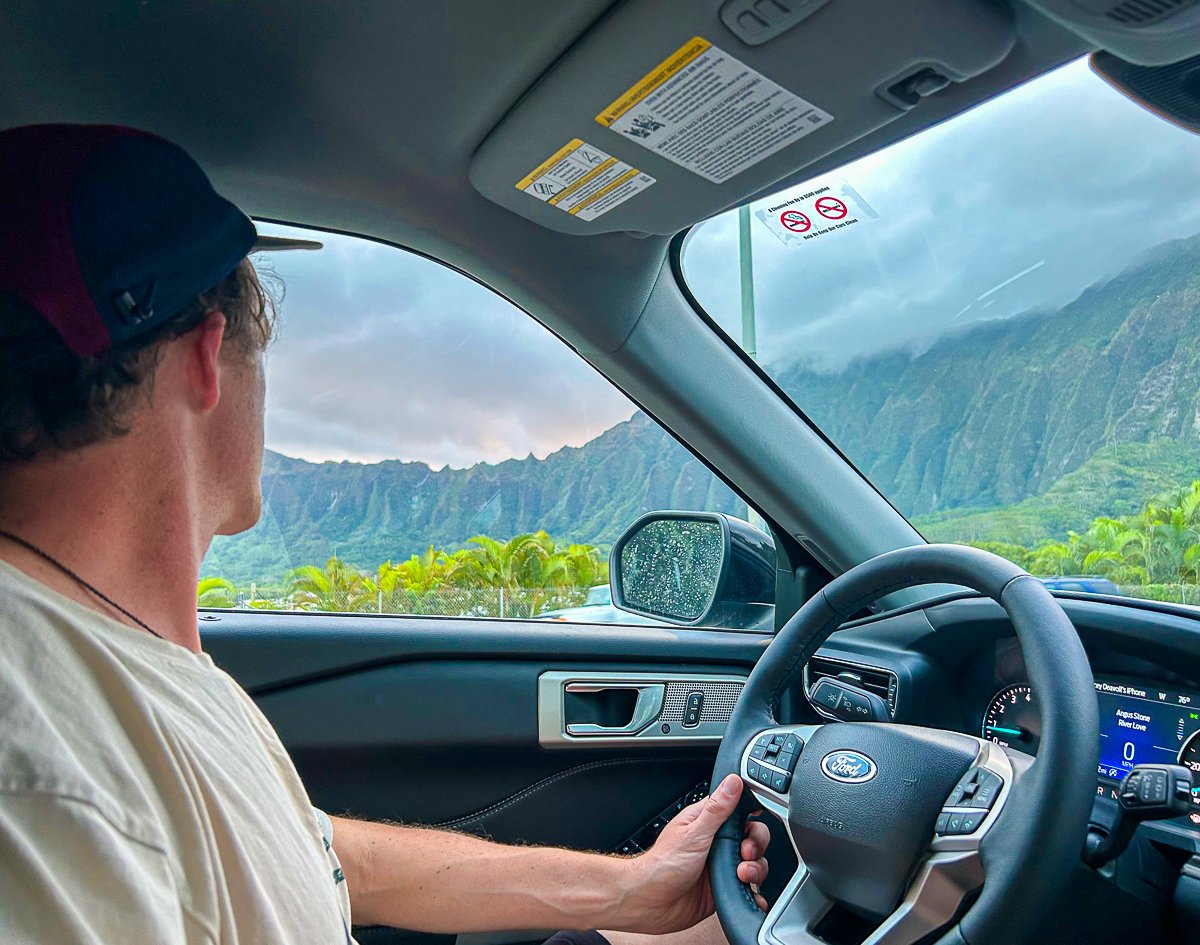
(869, 806)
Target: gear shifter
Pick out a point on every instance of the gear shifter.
(1149, 792)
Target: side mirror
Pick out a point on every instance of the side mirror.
(695, 568)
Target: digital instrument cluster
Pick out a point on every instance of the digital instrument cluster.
(1140, 723)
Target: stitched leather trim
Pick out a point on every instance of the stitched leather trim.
(553, 779)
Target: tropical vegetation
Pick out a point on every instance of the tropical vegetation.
(522, 576)
(1154, 553)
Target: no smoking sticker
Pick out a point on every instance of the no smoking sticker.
(817, 213)
(795, 221)
(831, 208)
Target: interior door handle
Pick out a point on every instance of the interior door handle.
(646, 708)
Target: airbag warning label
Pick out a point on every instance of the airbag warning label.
(703, 110)
(583, 181)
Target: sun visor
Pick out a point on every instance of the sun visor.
(667, 111)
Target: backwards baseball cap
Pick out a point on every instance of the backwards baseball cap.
(108, 232)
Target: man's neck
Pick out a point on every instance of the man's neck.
(130, 535)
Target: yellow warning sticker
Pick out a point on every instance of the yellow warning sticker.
(583, 180)
(704, 110)
(667, 69)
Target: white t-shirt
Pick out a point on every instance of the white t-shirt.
(143, 796)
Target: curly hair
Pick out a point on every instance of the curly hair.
(53, 399)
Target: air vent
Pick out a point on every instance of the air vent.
(1145, 12)
(881, 682)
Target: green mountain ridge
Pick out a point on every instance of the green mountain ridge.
(1014, 430)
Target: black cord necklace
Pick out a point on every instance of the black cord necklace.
(46, 556)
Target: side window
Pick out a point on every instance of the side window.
(433, 450)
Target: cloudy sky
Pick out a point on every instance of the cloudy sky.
(387, 355)
(1019, 204)
(1060, 183)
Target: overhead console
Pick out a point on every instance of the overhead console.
(667, 111)
(1143, 32)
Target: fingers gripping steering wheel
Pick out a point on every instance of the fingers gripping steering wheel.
(863, 801)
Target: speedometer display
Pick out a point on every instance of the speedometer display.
(1139, 724)
(1012, 720)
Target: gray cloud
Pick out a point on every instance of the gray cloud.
(383, 354)
(1063, 180)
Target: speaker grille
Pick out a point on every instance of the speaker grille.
(1145, 12)
(719, 699)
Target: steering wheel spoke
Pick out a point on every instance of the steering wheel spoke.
(769, 763)
(974, 805)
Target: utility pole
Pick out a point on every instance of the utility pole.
(746, 266)
(749, 334)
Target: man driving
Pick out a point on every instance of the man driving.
(143, 796)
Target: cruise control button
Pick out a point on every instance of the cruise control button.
(792, 743)
(787, 761)
(778, 738)
(763, 740)
(758, 751)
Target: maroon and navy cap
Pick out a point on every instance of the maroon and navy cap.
(109, 231)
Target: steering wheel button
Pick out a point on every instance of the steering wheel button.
(787, 761)
(954, 824)
(940, 827)
(752, 770)
(758, 751)
(792, 743)
(778, 738)
(763, 740)
(779, 782)
(987, 791)
(971, 822)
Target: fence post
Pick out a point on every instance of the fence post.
(379, 609)
(500, 594)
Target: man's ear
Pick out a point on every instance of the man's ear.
(203, 359)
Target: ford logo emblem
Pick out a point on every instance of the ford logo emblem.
(850, 767)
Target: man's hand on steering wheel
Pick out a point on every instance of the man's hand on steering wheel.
(671, 890)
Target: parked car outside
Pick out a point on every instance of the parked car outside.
(1083, 583)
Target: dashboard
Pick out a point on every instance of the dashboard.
(956, 665)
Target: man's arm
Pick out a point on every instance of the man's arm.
(437, 881)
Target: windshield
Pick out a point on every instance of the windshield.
(996, 321)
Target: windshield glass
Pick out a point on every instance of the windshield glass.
(995, 320)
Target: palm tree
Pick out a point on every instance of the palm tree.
(215, 592)
(412, 586)
(527, 570)
(337, 587)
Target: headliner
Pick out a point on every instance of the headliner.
(363, 118)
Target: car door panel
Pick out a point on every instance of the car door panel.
(435, 721)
